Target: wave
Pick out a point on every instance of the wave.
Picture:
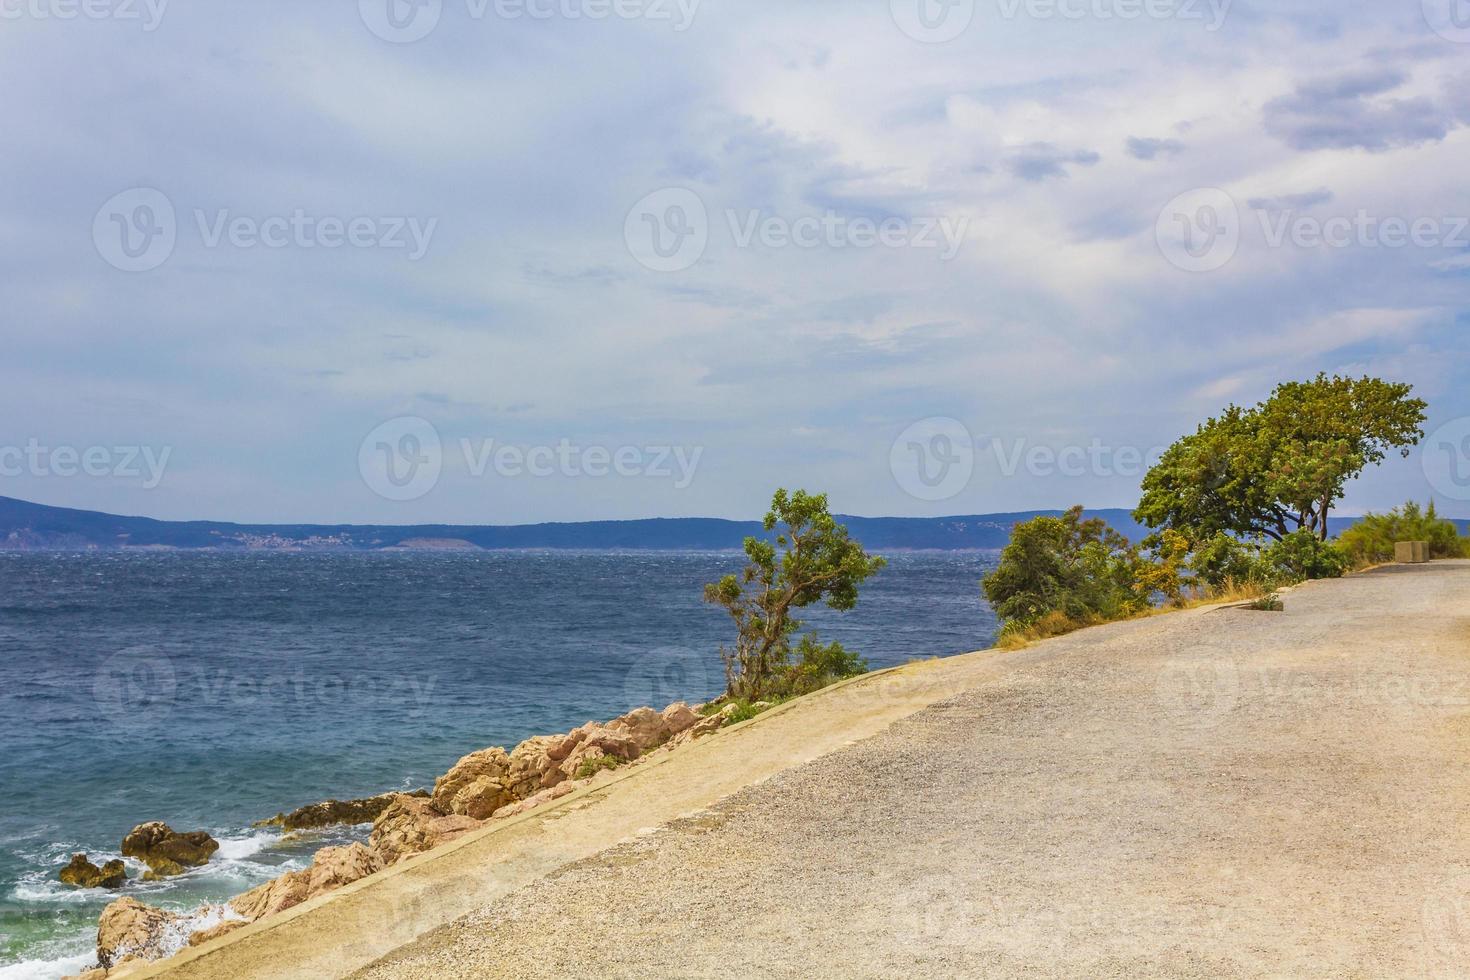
(40, 969)
(243, 848)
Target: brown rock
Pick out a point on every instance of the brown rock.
(475, 786)
(84, 874)
(333, 812)
(128, 928)
(679, 717)
(331, 868)
(214, 932)
(411, 825)
(165, 851)
(532, 767)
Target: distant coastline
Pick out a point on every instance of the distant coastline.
(26, 526)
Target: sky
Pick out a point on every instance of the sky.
(506, 261)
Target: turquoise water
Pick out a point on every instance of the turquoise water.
(211, 690)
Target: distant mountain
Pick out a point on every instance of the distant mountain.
(26, 526)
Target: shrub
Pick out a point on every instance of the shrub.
(1371, 540)
(1079, 569)
(810, 559)
(591, 767)
(1225, 560)
(1301, 555)
(816, 667)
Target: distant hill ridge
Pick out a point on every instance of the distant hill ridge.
(29, 526)
(26, 526)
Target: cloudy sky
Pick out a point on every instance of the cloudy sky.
(525, 260)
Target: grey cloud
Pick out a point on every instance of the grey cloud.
(1290, 202)
(1149, 148)
(1341, 112)
(1043, 161)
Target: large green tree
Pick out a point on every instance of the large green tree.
(1281, 466)
(810, 559)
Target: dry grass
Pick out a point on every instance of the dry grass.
(1060, 624)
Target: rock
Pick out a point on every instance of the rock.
(475, 786)
(98, 974)
(128, 929)
(532, 802)
(275, 895)
(679, 717)
(532, 766)
(331, 868)
(703, 727)
(333, 812)
(165, 851)
(411, 825)
(214, 932)
(84, 874)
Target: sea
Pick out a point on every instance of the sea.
(211, 690)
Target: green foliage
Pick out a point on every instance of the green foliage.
(1371, 540)
(1225, 560)
(818, 666)
(1077, 568)
(810, 559)
(591, 767)
(1302, 555)
(1267, 603)
(1280, 466)
(1163, 574)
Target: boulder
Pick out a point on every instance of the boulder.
(84, 874)
(411, 825)
(165, 851)
(332, 812)
(533, 767)
(129, 929)
(532, 802)
(704, 726)
(214, 932)
(331, 868)
(475, 786)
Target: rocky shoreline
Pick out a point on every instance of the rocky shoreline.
(483, 786)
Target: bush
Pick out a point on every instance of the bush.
(1301, 555)
(1078, 569)
(1371, 540)
(1225, 561)
(816, 667)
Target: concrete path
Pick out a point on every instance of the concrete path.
(1206, 794)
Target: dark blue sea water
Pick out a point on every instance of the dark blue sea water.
(211, 690)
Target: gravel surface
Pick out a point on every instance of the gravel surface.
(1230, 793)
